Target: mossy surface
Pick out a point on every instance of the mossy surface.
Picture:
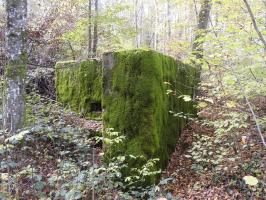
(138, 106)
(15, 70)
(79, 86)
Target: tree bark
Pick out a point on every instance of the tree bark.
(203, 19)
(155, 25)
(90, 30)
(169, 19)
(136, 23)
(95, 29)
(72, 50)
(15, 71)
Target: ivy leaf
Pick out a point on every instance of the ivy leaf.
(251, 180)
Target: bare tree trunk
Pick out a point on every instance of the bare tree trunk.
(72, 50)
(156, 25)
(90, 30)
(15, 71)
(95, 29)
(136, 23)
(141, 19)
(169, 19)
(264, 2)
(197, 48)
(255, 24)
(203, 20)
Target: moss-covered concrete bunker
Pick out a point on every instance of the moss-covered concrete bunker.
(79, 86)
(141, 92)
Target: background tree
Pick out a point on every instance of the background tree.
(15, 71)
(90, 30)
(95, 28)
(255, 23)
(203, 19)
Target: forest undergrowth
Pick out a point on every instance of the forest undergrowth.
(58, 155)
(219, 156)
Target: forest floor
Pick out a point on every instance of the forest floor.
(43, 161)
(46, 159)
(212, 167)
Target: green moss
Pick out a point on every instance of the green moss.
(137, 104)
(79, 86)
(13, 70)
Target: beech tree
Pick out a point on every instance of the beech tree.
(15, 70)
(197, 46)
(203, 20)
(95, 29)
(90, 30)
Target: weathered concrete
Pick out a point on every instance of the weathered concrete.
(79, 86)
(136, 103)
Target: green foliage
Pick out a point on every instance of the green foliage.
(136, 175)
(69, 152)
(234, 121)
(211, 151)
(138, 105)
(205, 153)
(116, 30)
(79, 86)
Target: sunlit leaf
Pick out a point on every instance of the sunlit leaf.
(231, 104)
(202, 105)
(186, 98)
(251, 180)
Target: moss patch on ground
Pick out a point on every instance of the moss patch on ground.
(79, 86)
(137, 105)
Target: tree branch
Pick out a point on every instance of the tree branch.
(255, 23)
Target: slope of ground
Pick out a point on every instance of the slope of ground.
(216, 153)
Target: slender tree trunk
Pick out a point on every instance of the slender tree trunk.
(203, 21)
(195, 8)
(15, 71)
(95, 29)
(90, 30)
(72, 50)
(264, 2)
(156, 25)
(136, 23)
(197, 48)
(141, 19)
(169, 19)
(255, 24)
